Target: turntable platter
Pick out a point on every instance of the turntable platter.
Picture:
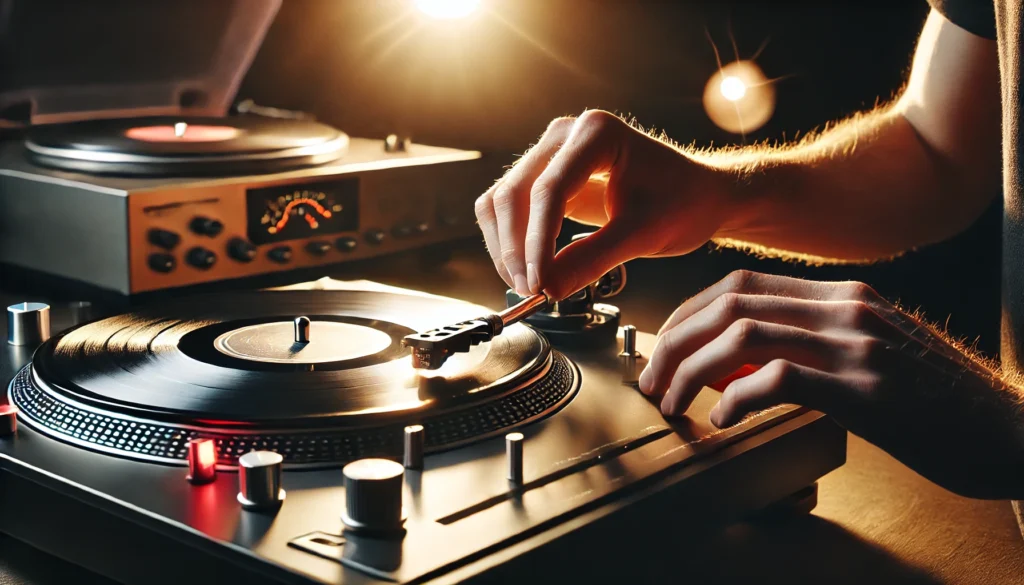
(161, 146)
(229, 367)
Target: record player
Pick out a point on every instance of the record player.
(134, 185)
(327, 431)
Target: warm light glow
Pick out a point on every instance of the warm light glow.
(448, 9)
(739, 98)
(202, 461)
(733, 88)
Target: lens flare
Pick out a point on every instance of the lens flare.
(733, 88)
(739, 98)
(448, 9)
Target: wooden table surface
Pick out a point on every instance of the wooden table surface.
(876, 521)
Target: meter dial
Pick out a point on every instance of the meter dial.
(299, 213)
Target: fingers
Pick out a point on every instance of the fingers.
(779, 382)
(592, 147)
(689, 335)
(748, 342)
(489, 226)
(511, 201)
(746, 282)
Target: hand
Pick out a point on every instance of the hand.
(839, 348)
(649, 199)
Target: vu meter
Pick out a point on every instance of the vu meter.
(290, 212)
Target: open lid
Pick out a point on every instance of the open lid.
(62, 61)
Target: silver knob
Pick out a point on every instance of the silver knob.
(373, 496)
(629, 356)
(8, 420)
(28, 323)
(302, 326)
(259, 480)
(414, 440)
(514, 457)
(396, 143)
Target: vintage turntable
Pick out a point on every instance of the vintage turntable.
(290, 411)
(139, 180)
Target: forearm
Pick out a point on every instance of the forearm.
(866, 189)
(908, 174)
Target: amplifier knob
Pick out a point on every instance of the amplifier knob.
(373, 496)
(346, 244)
(165, 239)
(403, 230)
(241, 249)
(374, 236)
(201, 258)
(259, 480)
(206, 226)
(162, 262)
(318, 247)
(280, 254)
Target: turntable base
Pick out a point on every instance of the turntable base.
(633, 473)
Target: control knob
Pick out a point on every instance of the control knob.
(259, 480)
(206, 226)
(201, 258)
(318, 247)
(280, 254)
(165, 239)
(374, 236)
(373, 496)
(241, 249)
(346, 243)
(160, 262)
(28, 324)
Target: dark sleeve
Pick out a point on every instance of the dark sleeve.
(974, 16)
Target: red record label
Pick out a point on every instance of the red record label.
(182, 133)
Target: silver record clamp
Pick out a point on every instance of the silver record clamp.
(578, 320)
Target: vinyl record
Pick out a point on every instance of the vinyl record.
(228, 366)
(184, 146)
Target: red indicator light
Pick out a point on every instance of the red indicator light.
(202, 461)
(8, 419)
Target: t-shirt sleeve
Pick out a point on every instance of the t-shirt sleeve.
(974, 16)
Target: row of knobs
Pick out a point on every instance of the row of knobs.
(373, 487)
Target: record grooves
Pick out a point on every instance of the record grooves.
(140, 385)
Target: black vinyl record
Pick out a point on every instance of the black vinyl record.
(184, 146)
(228, 366)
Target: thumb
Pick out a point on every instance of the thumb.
(586, 260)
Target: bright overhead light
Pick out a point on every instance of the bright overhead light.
(448, 9)
(733, 88)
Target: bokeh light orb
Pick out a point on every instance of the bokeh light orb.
(739, 98)
(448, 9)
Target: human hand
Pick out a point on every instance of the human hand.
(649, 198)
(839, 348)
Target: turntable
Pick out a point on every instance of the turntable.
(285, 436)
(134, 184)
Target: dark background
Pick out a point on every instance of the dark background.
(493, 81)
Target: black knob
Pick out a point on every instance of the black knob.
(402, 230)
(318, 247)
(374, 236)
(201, 258)
(346, 244)
(422, 227)
(162, 262)
(206, 226)
(280, 254)
(241, 249)
(163, 238)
